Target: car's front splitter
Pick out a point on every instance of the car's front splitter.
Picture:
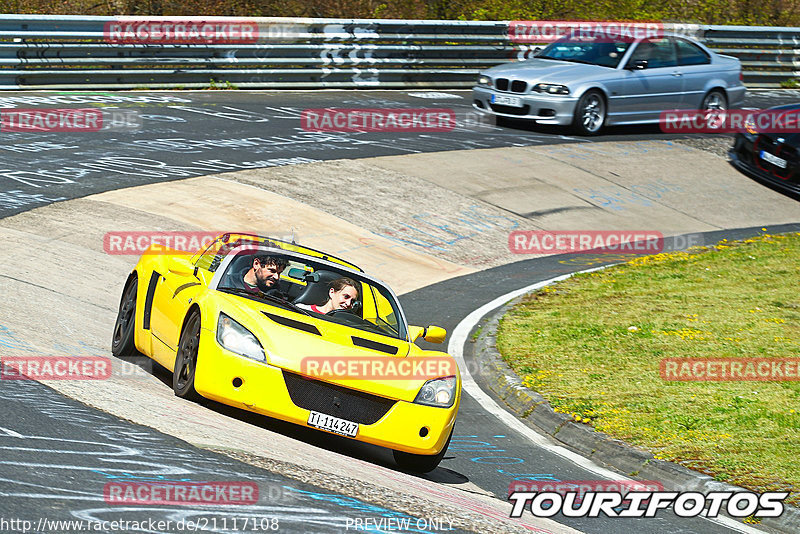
(261, 388)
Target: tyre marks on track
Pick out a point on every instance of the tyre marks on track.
(57, 456)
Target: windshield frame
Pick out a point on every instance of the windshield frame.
(220, 271)
(632, 43)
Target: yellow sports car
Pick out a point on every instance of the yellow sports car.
(296, 334)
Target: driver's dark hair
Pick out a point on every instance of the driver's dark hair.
(341, 283)
(277, 261)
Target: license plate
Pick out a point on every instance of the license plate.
(333, 424)
(775, 160)
(503, 100)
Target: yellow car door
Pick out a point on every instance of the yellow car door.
(173, 294)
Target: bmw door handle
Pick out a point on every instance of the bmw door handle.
(677, 74)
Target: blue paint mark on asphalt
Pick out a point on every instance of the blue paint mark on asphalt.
(10, 341)
(437, 232)
(506, 460)
(463, 444)
(618, 198)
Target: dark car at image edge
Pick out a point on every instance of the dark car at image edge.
(772, 158)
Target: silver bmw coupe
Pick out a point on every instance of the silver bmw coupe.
(589, 84)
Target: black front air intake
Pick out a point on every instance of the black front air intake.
(337, 401)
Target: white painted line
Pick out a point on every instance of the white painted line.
(11, 433)
(456, 349)
(433, 95)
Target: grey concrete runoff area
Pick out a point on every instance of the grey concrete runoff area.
(429, 213)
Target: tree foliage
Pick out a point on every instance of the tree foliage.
(747, 12)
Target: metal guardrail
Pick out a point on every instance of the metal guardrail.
(71, 52)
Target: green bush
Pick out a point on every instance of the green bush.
(767, 13)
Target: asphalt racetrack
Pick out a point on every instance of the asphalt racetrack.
(180, 134)
(60, 453)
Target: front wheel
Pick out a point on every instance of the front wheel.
(590, 113)
(122, 343)
(186, 360)
(420, 463)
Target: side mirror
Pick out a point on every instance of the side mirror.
(432, 334)
(639, 64)
(180, 266)
(435, 334)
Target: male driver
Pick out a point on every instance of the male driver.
(265, 273)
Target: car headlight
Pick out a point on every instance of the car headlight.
(551, 88)
(238, 339)
(439, 392)
(484, 80)
(750, 130)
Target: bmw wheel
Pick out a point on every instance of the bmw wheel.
(714, 100)
(714, 106)
(590, 113)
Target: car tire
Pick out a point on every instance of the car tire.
(420, 463)
(714, 99)
(186, 359)
(504, 122)
(122, 342)
(590, 113)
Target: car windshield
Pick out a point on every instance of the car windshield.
(306, 282)
(602, 53)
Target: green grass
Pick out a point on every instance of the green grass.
(592, 344)
(476, 334)
(218, 85)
